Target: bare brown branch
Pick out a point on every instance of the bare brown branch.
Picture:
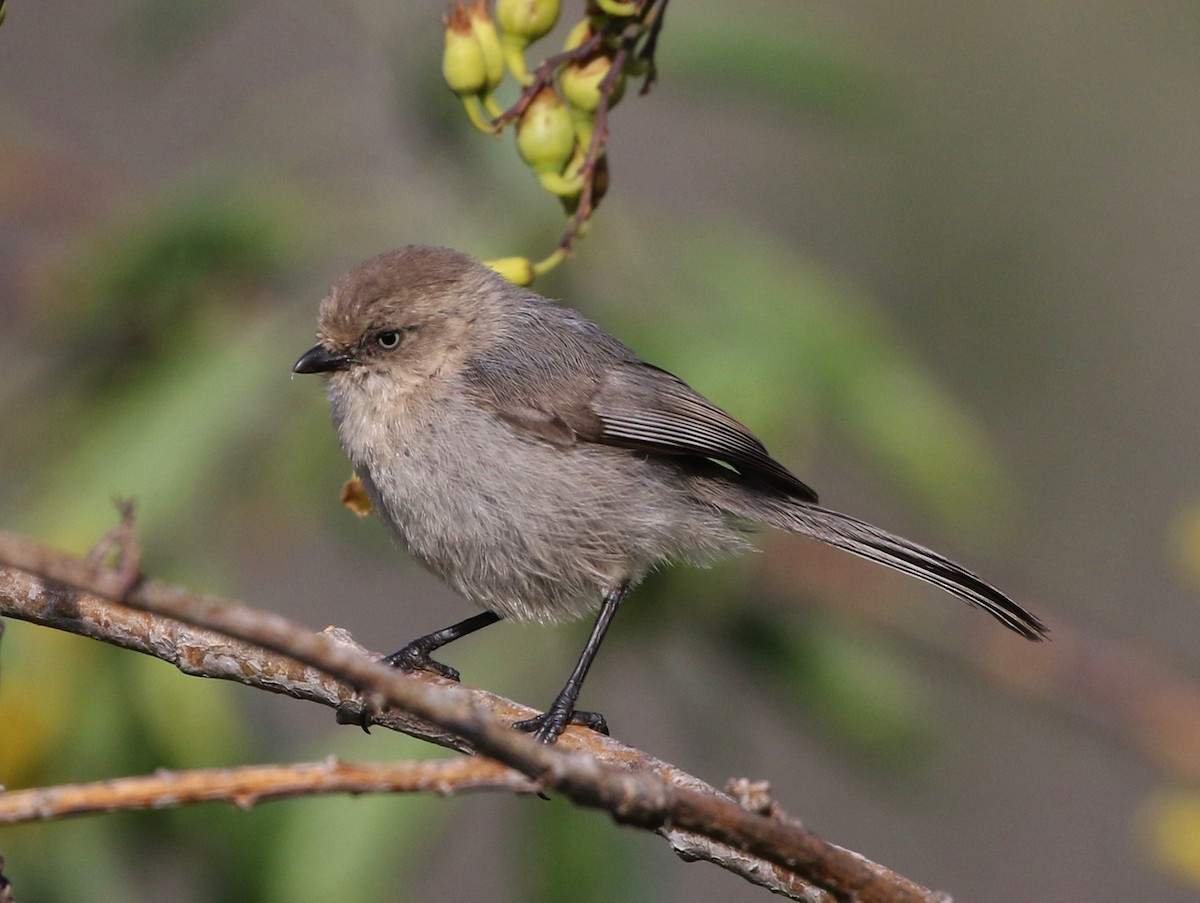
(248, 786)
(200, 652)
(590, 769)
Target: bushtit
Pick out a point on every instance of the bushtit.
(541, 468)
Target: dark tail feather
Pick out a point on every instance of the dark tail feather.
(894, 551)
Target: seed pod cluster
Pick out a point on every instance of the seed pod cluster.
(561, 100)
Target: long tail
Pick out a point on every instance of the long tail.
(885, 548)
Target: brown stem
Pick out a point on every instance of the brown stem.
(586, 205)
(543, 76)
(650, 48)
(246, 787)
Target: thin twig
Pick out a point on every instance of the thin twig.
(586, 205)
(247, 786)
(543, 76)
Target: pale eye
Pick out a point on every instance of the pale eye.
(388, 339)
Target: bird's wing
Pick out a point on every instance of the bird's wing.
(640, 406)
(617, 399)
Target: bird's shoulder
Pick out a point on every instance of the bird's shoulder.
(545, 371)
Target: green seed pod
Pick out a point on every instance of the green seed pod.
(580, 83)
(584, 124)
(517, 270)
(580, 32)
(618, 8)
(527, 19)
(463, 64)
(566, 188)
(484, 30)
(545, 138)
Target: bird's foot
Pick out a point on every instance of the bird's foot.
(547, 726)
(415, 657)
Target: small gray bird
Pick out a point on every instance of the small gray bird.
(541, 468)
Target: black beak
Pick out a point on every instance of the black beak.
(320, 359)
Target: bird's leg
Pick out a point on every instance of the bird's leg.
(547, 726)
(415, 656)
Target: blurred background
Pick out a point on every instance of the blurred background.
(942, 257)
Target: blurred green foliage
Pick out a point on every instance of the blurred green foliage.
(164, 343)
(796, 352)
(783, 58)
(568, 853)
(854, 689)
(157, 322)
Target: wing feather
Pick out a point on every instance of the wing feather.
(642, 406)
(559, 391)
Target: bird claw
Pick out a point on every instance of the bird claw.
(413, 658)
(547, 726)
